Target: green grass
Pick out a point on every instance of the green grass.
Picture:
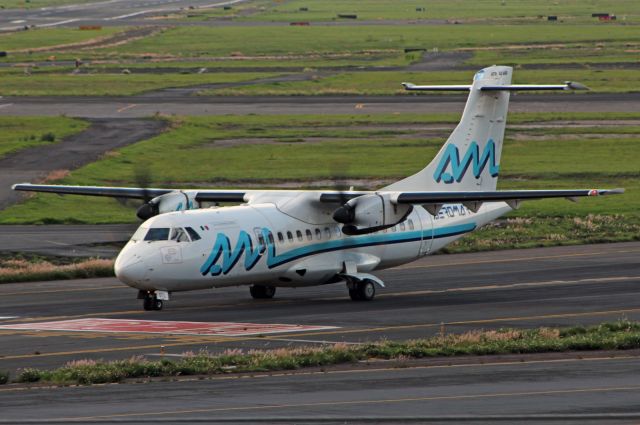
(580, 54)
(49, 84)
(46, 37)
(388, 82)
(327, 10)
(21, 270)
(283, 40)
(621, 335)
(534, 164)
(24, 132)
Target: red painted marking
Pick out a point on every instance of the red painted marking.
(164, 327)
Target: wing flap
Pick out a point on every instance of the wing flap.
(495, 196)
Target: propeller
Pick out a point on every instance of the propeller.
(142, 177)
(345, 213)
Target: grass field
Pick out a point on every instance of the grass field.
(284, 40)
(16, 83)
(24, 132)
(327, 10)
(266, 150)
(42, 38)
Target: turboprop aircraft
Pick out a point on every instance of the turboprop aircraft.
(293, 238)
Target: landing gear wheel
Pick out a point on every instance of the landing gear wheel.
(157, 304)
(147, 303)
(262, 291)
(364, 290)
(151, 302)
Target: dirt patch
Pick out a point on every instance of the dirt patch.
(104, 135)
(99, 42)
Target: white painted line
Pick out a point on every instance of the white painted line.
(129, 15)
(53, 24)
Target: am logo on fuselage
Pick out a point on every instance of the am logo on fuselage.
(472, 157)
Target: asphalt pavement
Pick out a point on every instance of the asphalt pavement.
(450, 293)
(168, 103)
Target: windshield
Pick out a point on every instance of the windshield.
(157, 234)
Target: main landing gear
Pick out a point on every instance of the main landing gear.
(262, 291)
(150, 300)
(363, 290)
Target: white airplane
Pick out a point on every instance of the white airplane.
(293, 238)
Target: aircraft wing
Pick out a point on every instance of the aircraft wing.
(131, 192)
(495, 196)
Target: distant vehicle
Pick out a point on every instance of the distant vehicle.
(292, 238)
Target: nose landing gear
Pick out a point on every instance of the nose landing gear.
(262, 292)
(152, 300)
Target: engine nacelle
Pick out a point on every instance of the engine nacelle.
(173, 201)
(370, 213)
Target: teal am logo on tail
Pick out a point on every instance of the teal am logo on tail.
(472, 157)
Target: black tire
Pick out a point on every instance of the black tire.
(262, 291)
(157, 304)
(366, 290)
(147, 303)
(354, 294)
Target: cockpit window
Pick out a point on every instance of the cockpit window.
(139, 234)
(194, 235)
(157, 234)
(178, 234)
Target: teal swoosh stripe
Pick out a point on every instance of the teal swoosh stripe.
(274, 260)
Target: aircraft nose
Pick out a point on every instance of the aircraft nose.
(132, 272)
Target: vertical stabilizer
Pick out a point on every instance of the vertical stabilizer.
(470, 159)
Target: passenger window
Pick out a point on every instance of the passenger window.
(318, 234)
(327, 232)
(299, 235)
(410, 222)
(179, 235)
(194, 235)
(157, 234)
(290, 237)
(259, 237)
(309, 235)
(402, 227)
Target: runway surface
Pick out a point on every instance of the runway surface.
(173, 101)
(106, 12)
(524, 288)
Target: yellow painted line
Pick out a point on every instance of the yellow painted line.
(388, 294)
(342, 402)
(515, 285)
(52, 291)
(108, 350)
(129, 106)
(298, 335)
(511, 260)
(466, 322)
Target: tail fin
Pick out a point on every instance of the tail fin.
(470, 159)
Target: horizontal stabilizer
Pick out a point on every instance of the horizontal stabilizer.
(568, 85)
